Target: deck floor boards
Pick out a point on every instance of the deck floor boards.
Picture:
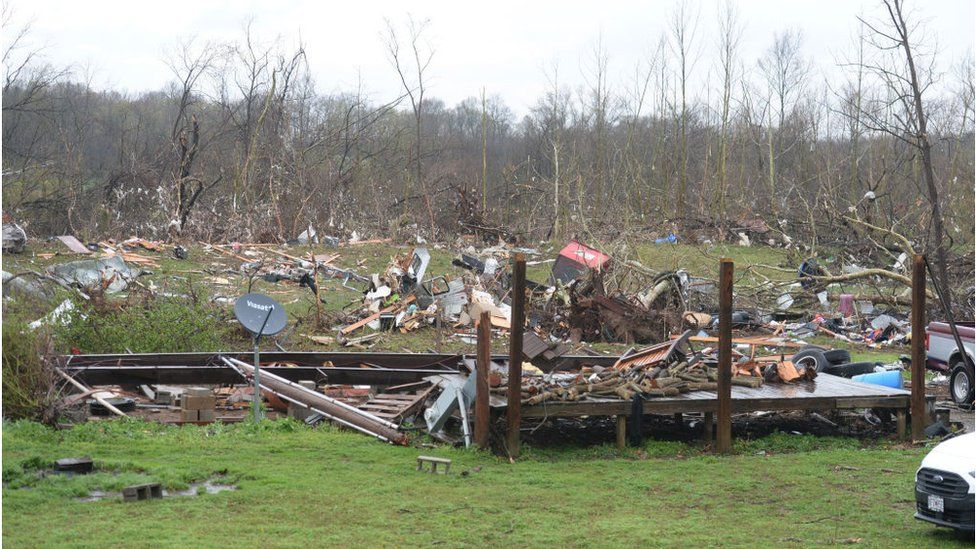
(825, 392)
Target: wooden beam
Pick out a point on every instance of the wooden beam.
(514, 409)
(723, 442)
(918, 348)
(482, 409)
(357, 325)
(751, 341)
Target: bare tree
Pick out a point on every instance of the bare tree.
(189, 66)
(730, 34)
(411, 67)
(785, 72)
(906, 74)
(684, 26)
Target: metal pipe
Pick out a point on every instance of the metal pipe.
(336, 410)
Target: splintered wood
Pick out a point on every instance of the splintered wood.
(657, 371)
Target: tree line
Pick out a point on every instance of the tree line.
(243, 144)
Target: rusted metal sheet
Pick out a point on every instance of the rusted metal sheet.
(646, 357)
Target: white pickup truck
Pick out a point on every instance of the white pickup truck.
(943, 355)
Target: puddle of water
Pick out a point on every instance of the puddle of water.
(96, 495)
(209, 486)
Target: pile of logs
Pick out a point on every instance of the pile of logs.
(660, 380)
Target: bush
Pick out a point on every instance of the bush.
(146, 323)
(30, 384)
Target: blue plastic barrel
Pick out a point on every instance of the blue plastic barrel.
(890, 378)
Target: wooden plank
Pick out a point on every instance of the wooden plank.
(357, 325)
(723, 440)
(226, 252)
(918, 348)
(513, 412)
(754, 341)
(74, 244)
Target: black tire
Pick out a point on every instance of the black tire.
(817, 347)
(838, 356)
(961, 384)
(811, 357)
(124, 404)
(850, 370)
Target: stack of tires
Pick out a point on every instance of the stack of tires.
(835, 362)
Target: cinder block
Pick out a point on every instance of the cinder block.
(142, 491)
(197, 391)
(205, 415)
(165, 398)
(190, 415)
(194, 402)
(300, 413)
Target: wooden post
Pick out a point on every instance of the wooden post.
(723, 442)
(918, 348)
(621, 432)
(482, 409)
(318, 301)
(514, 410)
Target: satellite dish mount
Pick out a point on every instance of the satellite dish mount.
(260, 315)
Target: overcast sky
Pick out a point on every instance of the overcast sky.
(505, 46)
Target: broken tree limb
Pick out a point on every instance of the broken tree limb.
(866, 273)
(94, 395)
(905, 244)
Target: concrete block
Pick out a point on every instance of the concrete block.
(190, 415)
(197, 391)
(205, 415)
(298, 412)
(138, 492)
(165, 398)
(194, 402)
(80, 465)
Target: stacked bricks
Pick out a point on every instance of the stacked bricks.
(198, 405)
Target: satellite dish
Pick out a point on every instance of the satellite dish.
(256, 311)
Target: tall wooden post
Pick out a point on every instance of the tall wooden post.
(482, 409)
(723, 439)
(514, 409)
(918, 348)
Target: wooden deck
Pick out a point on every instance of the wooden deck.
(826, 392)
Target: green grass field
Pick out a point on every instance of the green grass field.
(321, 487)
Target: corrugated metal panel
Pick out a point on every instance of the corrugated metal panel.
(645, 357)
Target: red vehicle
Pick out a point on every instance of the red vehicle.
(943, 355)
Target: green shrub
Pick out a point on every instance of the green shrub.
(29, 380)
(146, 323)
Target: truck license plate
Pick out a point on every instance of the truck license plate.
(936, 503)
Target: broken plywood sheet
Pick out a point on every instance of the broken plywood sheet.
(73, 244)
